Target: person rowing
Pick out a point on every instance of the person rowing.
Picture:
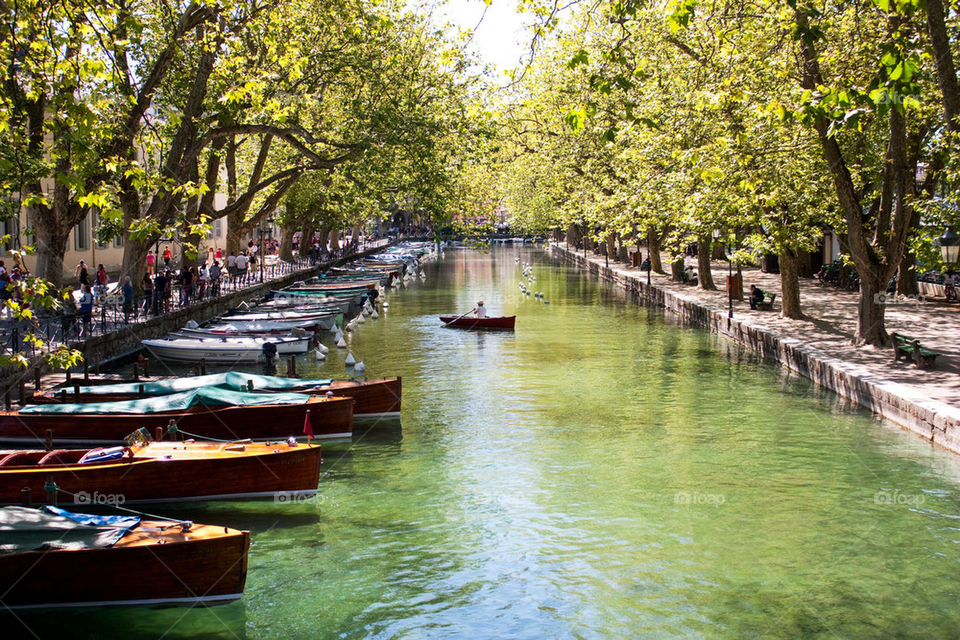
(480, 311)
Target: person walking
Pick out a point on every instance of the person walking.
(215, 279)
(242, 262)
(151, 262)
(86, 311)
(202, 281)
(167, 256)
(127, 290)
(83, 278)
(147, 285)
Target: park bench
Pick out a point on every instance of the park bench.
(767, 303)
(910, 347)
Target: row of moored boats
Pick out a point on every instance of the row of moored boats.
(209, 437)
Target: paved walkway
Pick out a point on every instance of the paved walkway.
(830, 325)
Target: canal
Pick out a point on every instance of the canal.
(599, 473)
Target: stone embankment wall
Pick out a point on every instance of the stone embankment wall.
(933, 420)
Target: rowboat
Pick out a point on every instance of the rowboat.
(473, 322)
(207, 412)
(222, 349)
(163, 472)
(324, 318)
(372, 398)
(55, 558)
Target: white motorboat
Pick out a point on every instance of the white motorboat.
(222, 349)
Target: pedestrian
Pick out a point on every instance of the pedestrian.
(102, 279)
(186, 285)
(127, 290)
(147, 285)
(68, 319)
(6, 294)
(242, 262)
(202, 281)
(219, 254)
(232, 268)
(215, 279)
(83, 278)
(86, 311)
(151, 262)
(167, 256)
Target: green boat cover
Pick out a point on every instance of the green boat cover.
(49, 528)
(208, 396)
(229, 380)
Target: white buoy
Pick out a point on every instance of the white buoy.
(322, 348)
(319, 355)
(361, 319)
(546, 302)
(386, 305)
(374, 315)
(350, 361)
(359, 368)
(341, 343)
(334, 329)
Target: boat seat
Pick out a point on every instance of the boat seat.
(61, 456)
(20, 458)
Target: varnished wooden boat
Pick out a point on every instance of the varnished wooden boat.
(330, 417)
(152, 563)
(371, 398)
(473, 322)
(163, 472)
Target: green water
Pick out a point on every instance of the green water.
(599, 473)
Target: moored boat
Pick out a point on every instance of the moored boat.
(208, 412)
(166, 471)
(473, 322)
(372, 398)
(54, 558)
(223, 348)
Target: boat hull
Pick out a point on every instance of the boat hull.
(220, 349)
(371, 398)
(208, 566)
(472, 322)
(330, 417)
(193, 471)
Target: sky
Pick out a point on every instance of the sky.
(500, 38)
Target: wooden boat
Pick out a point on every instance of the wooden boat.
(61, 559)
(473, 322)
(324, 318)
(371, 398)
(206, 413)
(163, 472)
(223, 348)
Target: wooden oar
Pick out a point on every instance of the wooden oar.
(446, 324)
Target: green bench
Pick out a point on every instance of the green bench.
(767, 304)
(905, 346)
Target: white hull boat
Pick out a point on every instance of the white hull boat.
(222, 349)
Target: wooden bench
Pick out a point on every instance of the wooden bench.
(767, 304)
(906, 346)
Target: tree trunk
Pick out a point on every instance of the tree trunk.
(286, 242)
(653, 246)
(51, 241)
(611, 246)
(943, 57)
(676, 269)
(870, 329)
(306, 239)
(134, 262)
(335, 240)
(704, 274)
(790, 284)
(907, 275)
(573, 236)
(234, 234)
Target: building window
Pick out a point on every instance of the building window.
(218, 228)
(81, 235)
(118, 242)
(10, 227)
